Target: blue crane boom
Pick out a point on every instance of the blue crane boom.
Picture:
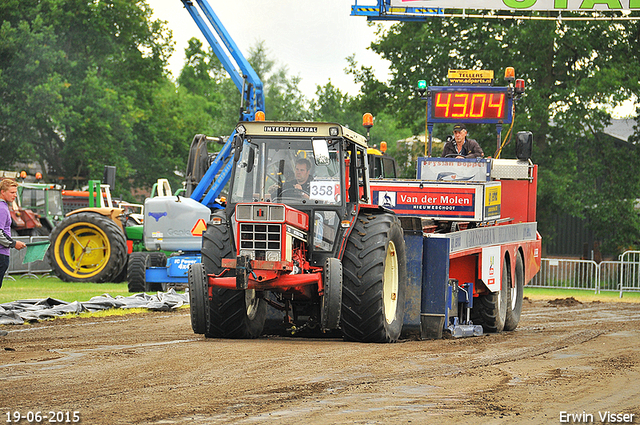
(246, 80)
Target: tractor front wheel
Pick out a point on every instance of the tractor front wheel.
(231, 313)
(198, 297)
(331, 302)
(375, 275)
(88, 247)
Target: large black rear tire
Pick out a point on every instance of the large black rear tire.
(88, 247)
(375, 274)
(490, 310)
(231, 313)
(515, 297)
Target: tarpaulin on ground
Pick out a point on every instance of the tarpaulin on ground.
(18, 312)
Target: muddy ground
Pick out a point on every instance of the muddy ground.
(150, 368)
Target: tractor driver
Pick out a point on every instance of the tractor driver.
(301, 186)
(461, 147)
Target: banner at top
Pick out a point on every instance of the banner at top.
(557, 5)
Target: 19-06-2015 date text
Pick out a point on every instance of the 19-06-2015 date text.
(50, 416)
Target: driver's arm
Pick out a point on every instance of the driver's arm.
(475, 150)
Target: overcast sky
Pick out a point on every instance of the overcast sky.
(311, 38)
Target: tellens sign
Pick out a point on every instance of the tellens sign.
(467, 105)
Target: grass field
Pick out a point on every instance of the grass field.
(52, 287)
(581, 295)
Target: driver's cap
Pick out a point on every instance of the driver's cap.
(459, 127)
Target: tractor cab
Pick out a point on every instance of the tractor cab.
(314, 168)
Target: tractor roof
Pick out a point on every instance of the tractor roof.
(299, 129)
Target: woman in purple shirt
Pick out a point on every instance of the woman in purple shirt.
(8, 193)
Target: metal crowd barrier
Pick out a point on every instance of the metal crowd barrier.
(33, 269)
(629, 271)
(623, 275)
(564, 273)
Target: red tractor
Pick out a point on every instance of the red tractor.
(317, 251)
(24, 222)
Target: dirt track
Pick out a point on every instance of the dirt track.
(151, 368)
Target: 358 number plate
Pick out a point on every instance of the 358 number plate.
(325, 190)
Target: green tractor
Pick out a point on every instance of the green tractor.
(92, 244)
(45, 200)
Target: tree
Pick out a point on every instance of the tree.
(78, 81)
(572, 69)
(283, 99)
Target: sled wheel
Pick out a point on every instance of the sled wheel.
(515, 296)
(490, 310)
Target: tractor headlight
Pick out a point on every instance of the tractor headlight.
(273, 255)
(248, 252)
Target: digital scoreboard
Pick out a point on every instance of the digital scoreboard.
(468, 104)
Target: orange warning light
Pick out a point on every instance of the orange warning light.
(367, 120)
(509, 73)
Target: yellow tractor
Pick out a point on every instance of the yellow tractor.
(91, 244)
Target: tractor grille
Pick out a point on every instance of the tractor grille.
(261, 241)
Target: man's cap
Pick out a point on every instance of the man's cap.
(459, 127)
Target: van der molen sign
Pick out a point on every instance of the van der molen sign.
(559, 5)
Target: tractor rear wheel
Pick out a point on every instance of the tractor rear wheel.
(88, 247)
(231, 313)
(515, 296)
(198, 297)
(136, 270)
(375, 274)
(490, 310)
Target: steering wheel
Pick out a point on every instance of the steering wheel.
(291, 192)
(453, 155)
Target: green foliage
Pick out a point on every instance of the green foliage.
(78, 81)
